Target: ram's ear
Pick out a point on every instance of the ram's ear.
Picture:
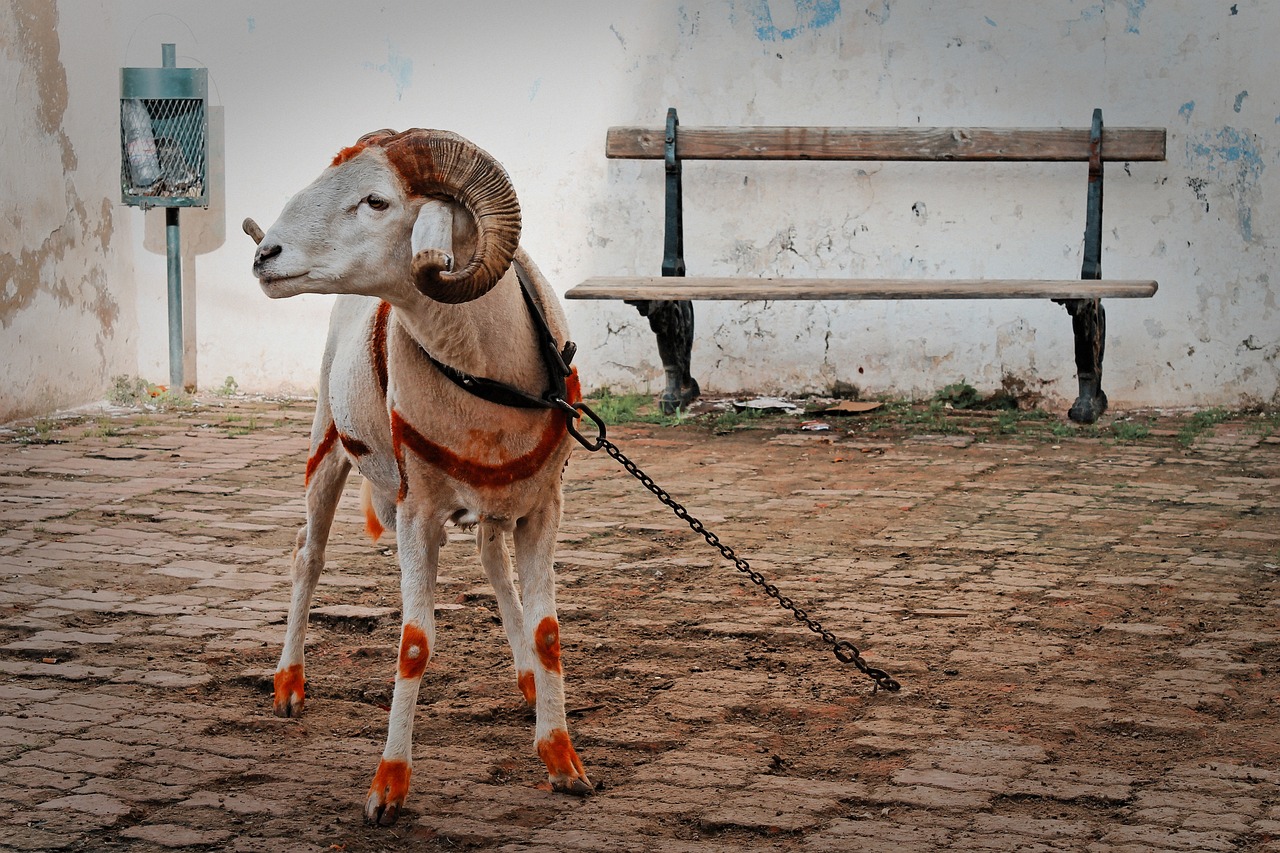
(433, 229)
(431, 243)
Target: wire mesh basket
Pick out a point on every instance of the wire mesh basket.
(164, 137)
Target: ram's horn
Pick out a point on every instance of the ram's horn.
(435, 164)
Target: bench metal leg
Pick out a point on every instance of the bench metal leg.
(1089, 322)
(672, 323)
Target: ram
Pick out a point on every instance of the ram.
(412, 336)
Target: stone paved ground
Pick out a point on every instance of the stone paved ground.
(1086, 631)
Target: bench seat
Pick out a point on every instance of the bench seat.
(749, 289)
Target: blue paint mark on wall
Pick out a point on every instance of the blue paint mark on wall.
(989, 21)
(1233, 157)
(1135, 8)
(398, 66)
(253, 24)
(533, 90)
(808, 15)
(1186, 110)
(1240, 100)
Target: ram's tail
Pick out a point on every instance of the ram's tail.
(371, 522)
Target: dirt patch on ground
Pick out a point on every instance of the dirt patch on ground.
(1084, 623)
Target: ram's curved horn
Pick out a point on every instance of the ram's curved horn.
(436, 164)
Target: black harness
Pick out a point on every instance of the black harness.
(557, 362)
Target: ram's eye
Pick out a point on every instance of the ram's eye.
(376, 202)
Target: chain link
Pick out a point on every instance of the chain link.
(845, 651)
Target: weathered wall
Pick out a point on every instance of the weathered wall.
(538, 84)
(66, 303)
(1199, 223)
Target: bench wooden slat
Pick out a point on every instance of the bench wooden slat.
(886, 143)
(750, 289)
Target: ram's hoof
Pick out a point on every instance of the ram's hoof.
(290, 692)
(580, 787)
(387, 793)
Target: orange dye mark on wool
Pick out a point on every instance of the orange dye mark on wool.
(354, 446)
(546, 642)
(347, 153)
(527, 687)
(391, 781)
(414, 651)
(560, 757)
(573, 386)
(288, 683)
(321, 451)
(471, 471)
(378, 345)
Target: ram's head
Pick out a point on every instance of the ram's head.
(357, 228)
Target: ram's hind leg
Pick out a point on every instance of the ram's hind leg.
(497, 565)
(326, 474)
(535, 539)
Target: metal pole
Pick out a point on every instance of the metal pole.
(173, 248)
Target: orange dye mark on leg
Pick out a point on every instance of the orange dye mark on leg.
(289, 691)
(525, 680)
(546, 642)
(390, 787)
(321, 451)
(414, 651)
(561, 759)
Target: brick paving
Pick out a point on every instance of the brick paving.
(1086, 632)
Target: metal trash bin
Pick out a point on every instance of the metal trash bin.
(164, 146)
(164, 158)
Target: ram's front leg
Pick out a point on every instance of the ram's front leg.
(326, 473)
(418, 541)
(535, 537)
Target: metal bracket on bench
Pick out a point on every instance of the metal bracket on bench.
(672, 321)
(1088, 319)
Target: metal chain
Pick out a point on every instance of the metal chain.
(845, 651)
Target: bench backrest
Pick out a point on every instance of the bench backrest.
(886, 143)
(675, 144)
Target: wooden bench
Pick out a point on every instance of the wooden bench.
(664, 299)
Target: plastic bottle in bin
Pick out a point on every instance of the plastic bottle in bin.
(139, 144)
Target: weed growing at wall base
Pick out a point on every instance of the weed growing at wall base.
(615, 409)
(1200, 423)
(136, 392)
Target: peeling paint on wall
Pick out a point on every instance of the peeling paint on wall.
(1235, 155)
(53, 272)
(36, 26)
(28, 267)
